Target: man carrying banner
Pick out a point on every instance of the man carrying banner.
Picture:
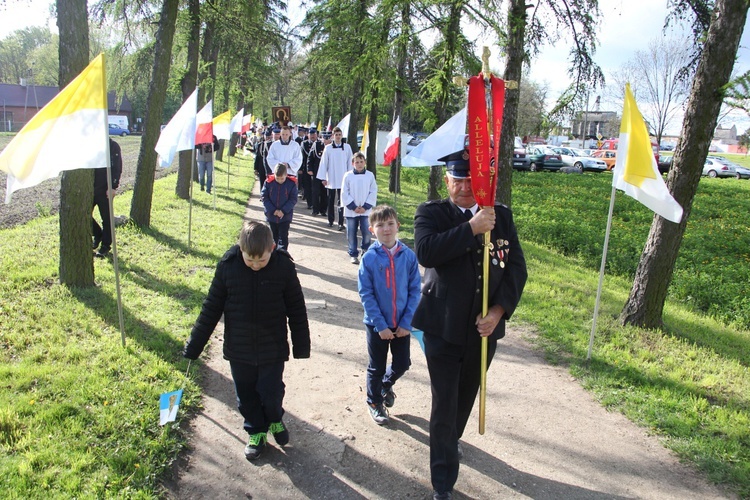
(448, 242)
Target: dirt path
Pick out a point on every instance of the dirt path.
(545, 438)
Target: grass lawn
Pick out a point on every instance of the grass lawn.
(78, 412)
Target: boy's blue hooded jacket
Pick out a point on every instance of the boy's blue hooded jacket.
(389, 286)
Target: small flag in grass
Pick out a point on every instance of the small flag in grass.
(169, 403)
(419, 335)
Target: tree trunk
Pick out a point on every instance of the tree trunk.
(645, 304)
(450, 33)
(394, 182)
(188, 85)
(351, 134)
(76, 186)
(436, 177)
(143, 189)
(513, 71)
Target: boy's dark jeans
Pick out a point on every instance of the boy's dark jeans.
(378, 378)
(361, 222)
(280, 231)
(260, 394)
(334, 202)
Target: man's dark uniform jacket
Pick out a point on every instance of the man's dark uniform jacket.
(452, 255)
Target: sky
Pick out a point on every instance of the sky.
(626, 26)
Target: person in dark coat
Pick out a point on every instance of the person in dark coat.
(257, 290)
(448, 240)
(312, 151)
(262, 171)
(103, 234)
(279, 195)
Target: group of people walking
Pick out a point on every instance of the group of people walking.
(257, 290)
(324, 173)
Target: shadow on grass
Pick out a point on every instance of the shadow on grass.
(176, 244)
(723, 341)
(188, 297)
(157, 340)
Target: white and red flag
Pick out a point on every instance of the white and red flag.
(394, 143)
(247, 122)
(204, 127)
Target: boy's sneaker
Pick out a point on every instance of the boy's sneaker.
(389, 397)
(354, 260)
(378, 413)
(280, 433)
(255, 445)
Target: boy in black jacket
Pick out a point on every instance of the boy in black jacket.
(256, 288)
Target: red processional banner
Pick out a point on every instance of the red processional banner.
(483, 159)
(479, 143)
(498, 105)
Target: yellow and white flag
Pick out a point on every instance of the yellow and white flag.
(636, 172)
(221, 125)
(70, 132)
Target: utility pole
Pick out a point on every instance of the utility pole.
(585, 122)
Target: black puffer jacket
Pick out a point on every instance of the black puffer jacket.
(256, 305)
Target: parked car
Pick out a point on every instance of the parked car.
(715, 168)
(115, 129)
(566, 155)
(521, 160)
(572, 157)
(665, 163)
(607, 156)
(587, 163)
(414, 141)
(611, 144)
(740, 171)
(543, 158)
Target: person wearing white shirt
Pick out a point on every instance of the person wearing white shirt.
(336, 161)
(359, 193)
(285, 150)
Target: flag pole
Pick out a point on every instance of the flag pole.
(601, 271)
(229, 160)
(190, 210)
(485, 260)
(110, 202)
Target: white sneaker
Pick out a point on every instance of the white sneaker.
(354, 260)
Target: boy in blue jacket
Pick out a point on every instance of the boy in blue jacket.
(389, 286)
(279, 195)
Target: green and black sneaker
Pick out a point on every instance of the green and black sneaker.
(255, 445)
(280, 433)
(389, 397)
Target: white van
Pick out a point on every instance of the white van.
(120, 121)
